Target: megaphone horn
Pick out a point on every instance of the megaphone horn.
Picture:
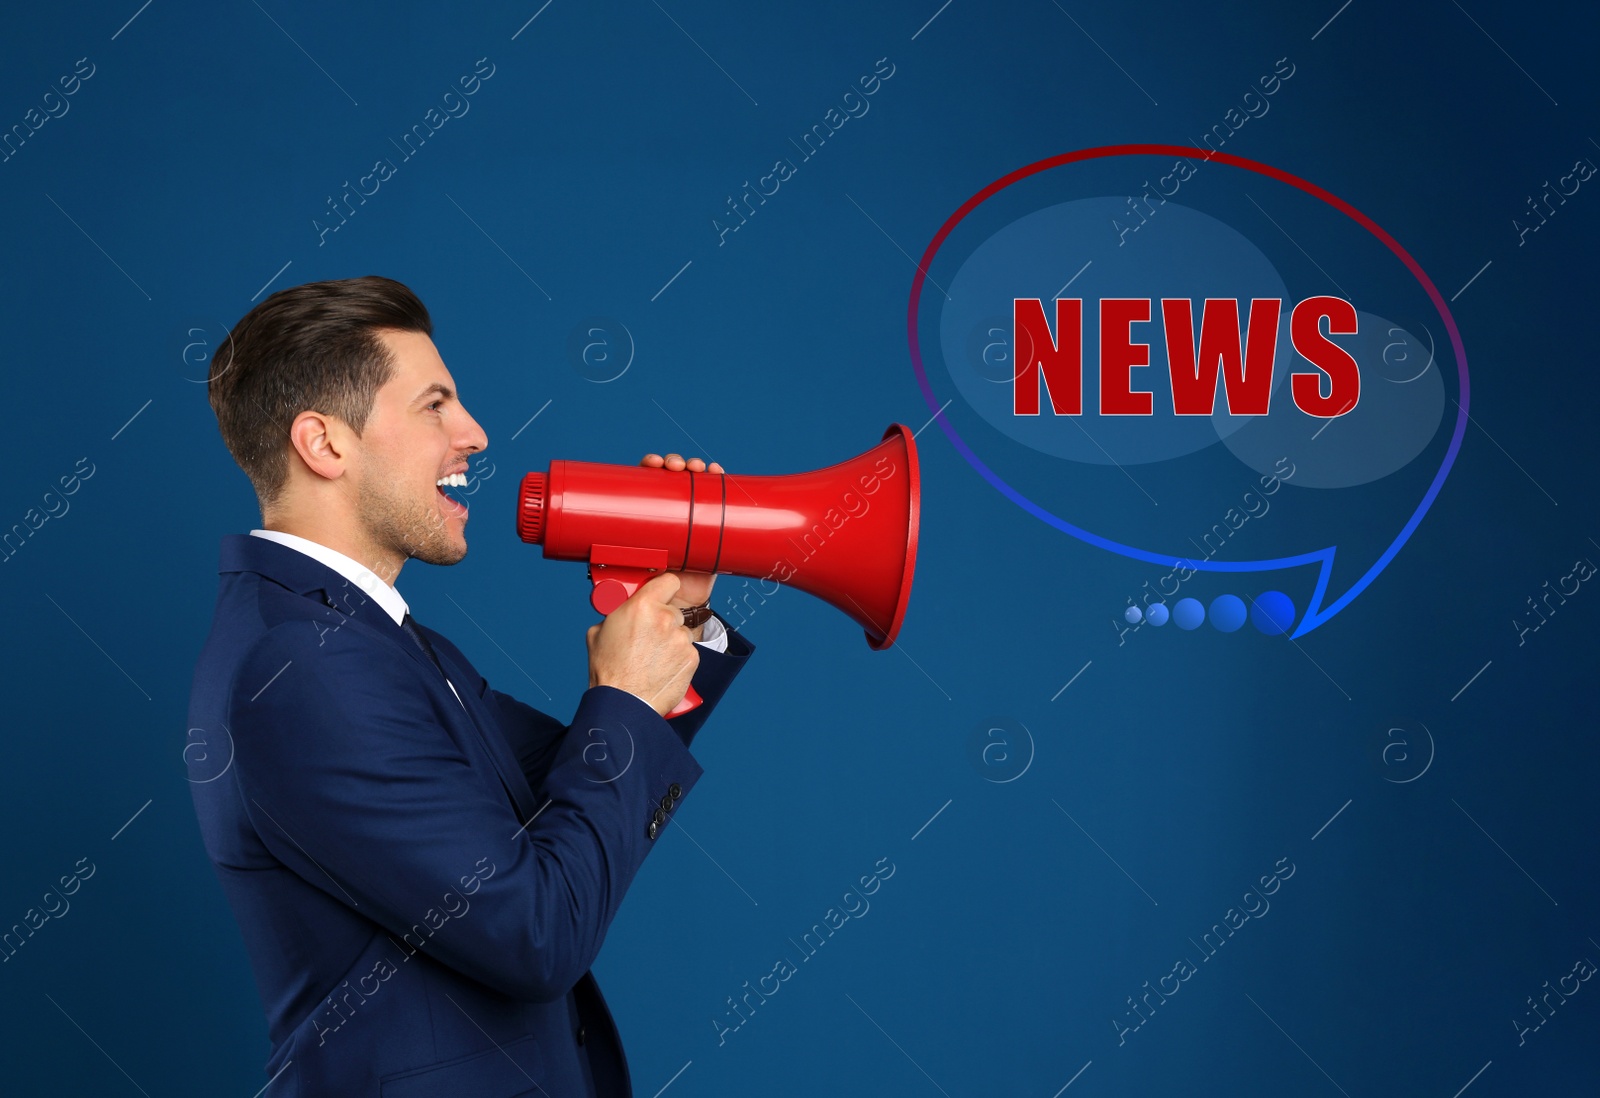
(846, 534)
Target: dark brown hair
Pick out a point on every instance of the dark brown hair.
(313, 347)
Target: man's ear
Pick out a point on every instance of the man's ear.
(323, 442)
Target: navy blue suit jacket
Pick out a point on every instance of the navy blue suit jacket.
(422, 883)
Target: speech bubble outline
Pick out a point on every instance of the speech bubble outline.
(1316, 614)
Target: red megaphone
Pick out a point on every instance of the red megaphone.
(846, 534)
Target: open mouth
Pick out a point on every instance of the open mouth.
(451, 501)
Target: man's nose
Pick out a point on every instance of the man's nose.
(471, 436)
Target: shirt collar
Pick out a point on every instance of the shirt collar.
(354, 571)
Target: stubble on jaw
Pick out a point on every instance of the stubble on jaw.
(404, 525)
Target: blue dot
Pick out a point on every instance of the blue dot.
(1188, 614)
(1272, 612)
(1227, 613)
(1157, 614)
(1132, 616)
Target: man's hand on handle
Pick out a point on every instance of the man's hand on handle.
(643, 646)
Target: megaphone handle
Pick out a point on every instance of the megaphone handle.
(691, 700)
(614, 587)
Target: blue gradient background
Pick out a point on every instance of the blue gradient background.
(593, 162)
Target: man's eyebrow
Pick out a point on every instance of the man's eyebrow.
(436, 388)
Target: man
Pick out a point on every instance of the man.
(423, 867)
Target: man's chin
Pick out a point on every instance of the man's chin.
(443, 555)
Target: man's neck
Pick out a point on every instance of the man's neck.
(385, 565)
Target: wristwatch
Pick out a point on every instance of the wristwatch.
(694, 616)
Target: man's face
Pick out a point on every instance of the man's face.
(417, 434)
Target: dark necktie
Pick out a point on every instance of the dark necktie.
(409, 624)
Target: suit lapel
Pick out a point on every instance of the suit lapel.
(486, 728)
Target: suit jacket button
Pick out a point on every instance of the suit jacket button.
(660, 817)
(666, 802)
(675, 791)
(652, 829)
(581, 1034)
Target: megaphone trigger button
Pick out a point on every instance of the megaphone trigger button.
(608, 594)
